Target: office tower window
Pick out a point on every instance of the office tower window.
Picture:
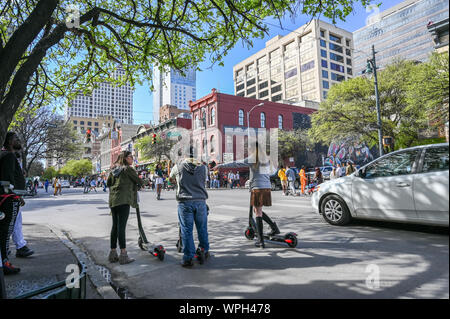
(349, 61)
(290, 73)
(325, 94)
(322, 33)
(348, 52)
(276, 89)
(263, 119)
(323, 53)
(307, 66)
(337, 77)
(263, 94)
(337, 67)
(349, 71)
(280, 122)
(276, 98)
(251, 82)
(323, 43)
(325, 74)
(335, 38)
(335, 47)
(263, 85)
(251, 90)
(324, 64)
(291, 92)
(325, 84)
(336, 57)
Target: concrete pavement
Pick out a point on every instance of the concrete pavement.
(329, 262)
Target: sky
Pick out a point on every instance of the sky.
(221, 78)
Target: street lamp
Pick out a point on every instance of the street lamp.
(372, 67)
(248, 117)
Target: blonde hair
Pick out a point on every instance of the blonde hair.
(122, 159)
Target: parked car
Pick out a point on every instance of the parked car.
(326, 171)
(409, 185)
(65, 184)
(77, 183)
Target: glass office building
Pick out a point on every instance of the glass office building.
(399, 32)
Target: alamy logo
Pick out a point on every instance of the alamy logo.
(373, 279)
(73, 279)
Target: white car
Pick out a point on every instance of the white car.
(65, 184)
(410, 185)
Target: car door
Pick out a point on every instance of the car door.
(431, 186)
(386, 189)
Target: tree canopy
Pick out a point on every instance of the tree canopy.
(60, 48)
(350, 109)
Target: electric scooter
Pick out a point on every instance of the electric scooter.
(144, 244)
(289, 238)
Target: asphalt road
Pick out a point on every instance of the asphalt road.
(363, 260)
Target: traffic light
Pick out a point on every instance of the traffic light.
(154, 139)
(88, 135)
(369, 68)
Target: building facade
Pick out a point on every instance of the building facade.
(168, 112)
(172, 88)
(216, 113)
(105, 100)
(399, 33)
(300, 66)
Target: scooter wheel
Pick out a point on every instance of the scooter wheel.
(179, 246)
(160, 252)
(291, 240)
(141, 243)
(249, 233)
(200, 255)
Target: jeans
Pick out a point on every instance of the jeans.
(17, 235)
(191, 212)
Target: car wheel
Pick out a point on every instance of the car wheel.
(335, 211)
(273, 186)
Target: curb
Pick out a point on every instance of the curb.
(102, 286)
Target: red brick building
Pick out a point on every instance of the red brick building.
(216, 112)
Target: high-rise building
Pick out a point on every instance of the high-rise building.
(300, 66)
(105, 100)
(399, 33)
(173, 88)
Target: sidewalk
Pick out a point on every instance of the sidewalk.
(45, 267)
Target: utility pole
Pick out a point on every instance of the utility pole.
(372, 67)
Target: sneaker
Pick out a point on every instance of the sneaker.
(9, 269)
(124, 259)
(24, 252)
(113, 257)
(187, 263)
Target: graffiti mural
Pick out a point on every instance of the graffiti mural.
(348, 151)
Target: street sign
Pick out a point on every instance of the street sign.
(227, 157)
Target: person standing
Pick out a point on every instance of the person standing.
(338, 170)
(333, 174)
(303, 179)
(123, 183)
(191, 194)
(238, 179)
(283, 179)
(104, 184)
(159, 181)
(57, 186)
(318, 178)
(46, 184)
(291, 180)
(11, 172)
(349, 169)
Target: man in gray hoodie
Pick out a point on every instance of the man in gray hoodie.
(191, 195)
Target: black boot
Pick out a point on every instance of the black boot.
(272, 224)
(259, 228)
